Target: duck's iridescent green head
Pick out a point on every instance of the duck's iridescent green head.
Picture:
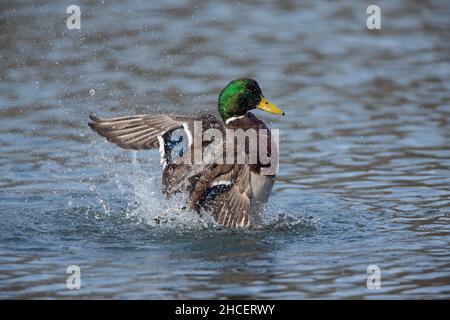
(242, 95)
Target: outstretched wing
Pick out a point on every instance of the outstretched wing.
(173, 134)
(138, 132)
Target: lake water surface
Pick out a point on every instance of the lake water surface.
(365, 149)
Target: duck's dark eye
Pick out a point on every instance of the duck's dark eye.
(266, 102)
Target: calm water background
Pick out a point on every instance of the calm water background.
(365, 149)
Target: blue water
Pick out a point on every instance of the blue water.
(364, 172)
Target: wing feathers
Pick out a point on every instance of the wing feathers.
(233, 207)
(137, 132)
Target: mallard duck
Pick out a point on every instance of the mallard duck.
(234, 193)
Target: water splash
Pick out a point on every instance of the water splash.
(131, 187)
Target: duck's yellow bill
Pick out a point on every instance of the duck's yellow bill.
(269, 107)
